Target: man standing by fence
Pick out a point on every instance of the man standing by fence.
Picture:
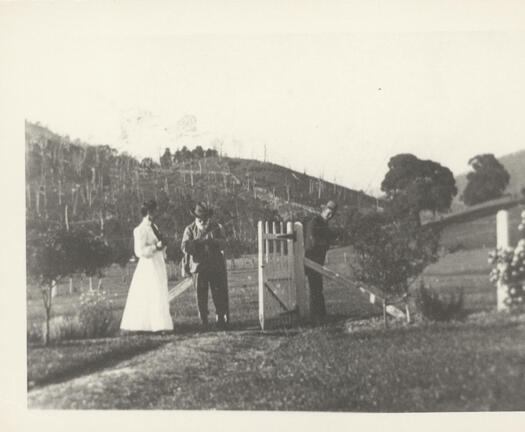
(203, 243)
(318, 237)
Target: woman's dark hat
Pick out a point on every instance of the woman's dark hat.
(330, 205)
(201, 210)
(147, 207)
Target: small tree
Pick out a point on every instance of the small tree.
(166, 160)
(198, 152)
(210, 153)
(391, 253)
(148, 163)
(50, 257)
(182, 155)
(487, 181)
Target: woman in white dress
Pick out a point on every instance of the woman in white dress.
(147, 305)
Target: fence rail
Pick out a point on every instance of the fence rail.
(477, 211)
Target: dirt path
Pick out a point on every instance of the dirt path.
(178, 375)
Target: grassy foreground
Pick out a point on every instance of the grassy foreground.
(69, 359)
(472, 366)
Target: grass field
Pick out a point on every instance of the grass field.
(350, 364)
(470, 366)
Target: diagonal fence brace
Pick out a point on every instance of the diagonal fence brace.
(375, 296)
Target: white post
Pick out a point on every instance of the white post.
(260, 246)
(502, 220)
(302, 293)
(267, 242)
(407, 312)
(291, 264)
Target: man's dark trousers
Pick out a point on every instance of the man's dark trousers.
(315, 282)
(210, 279)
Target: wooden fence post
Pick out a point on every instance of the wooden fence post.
(260, 245)
(66, 217)
(282, 248)
(274, 242)
(302, 293)
(502, 229)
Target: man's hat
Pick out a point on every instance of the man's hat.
(201, 210)
(330, 205)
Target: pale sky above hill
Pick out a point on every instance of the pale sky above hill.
(331, 90)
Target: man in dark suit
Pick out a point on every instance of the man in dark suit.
(203, 243)
(318, 237)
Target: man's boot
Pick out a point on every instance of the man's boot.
(222, 321)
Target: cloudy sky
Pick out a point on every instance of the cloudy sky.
(335, 91)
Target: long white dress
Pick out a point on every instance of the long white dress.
(147, 305)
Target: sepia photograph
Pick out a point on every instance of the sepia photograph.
(263, 207)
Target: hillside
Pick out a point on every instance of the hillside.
(515, 165)
(71, 183)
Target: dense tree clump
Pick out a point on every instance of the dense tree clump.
(184, 154)
(413, 185)
(487, 181)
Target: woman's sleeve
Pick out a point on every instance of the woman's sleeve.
(142, 249)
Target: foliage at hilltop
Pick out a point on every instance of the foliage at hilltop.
(487, 180)
(514, 164)
(413, 185)
(70, 183)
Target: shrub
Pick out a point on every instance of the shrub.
(391, 253)
(96, 314)
(434, 307)
(65, 328)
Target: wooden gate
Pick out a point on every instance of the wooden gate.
(282, 290)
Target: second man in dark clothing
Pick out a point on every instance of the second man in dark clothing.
(318, 237)
(203, 244)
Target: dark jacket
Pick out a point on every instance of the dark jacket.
(204, 247)
(317, 238)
